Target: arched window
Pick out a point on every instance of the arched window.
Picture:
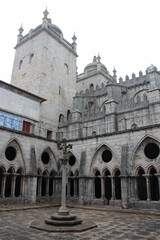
(108, 187)
(39, 180)
(68, 115)
(44, 184)
(31, 58)
(91, 87)
(18, 183)
(97, 185)
(20, 64)
(117, 185)
(61, 118)
(71, 184)
(141, 184)
(1, 181)
(77, 183)
(9, 183)
(51, 179)
(154, 186)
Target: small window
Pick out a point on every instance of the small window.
(31, 57)
(20, 64)
(49, 134)
(26, 127)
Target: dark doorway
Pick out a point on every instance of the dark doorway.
(52, 174)
(18, 184)
(142, 188)
(117, 185)
(71, 180)
(108, 187)
(44, 182)
(97, 185)
(8, 186)
(154, 186)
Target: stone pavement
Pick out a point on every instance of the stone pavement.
(113, 224)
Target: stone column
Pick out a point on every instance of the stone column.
(136, 188)
(47, 186)
(75, 186)
(102, 187)
(63, 209)
(113, 187)
(3, 185)
(158, 175)
(13, 185)
(22, 186)
(147, 176)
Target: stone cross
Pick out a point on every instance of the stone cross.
(63, 210)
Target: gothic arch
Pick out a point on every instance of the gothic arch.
(116, 168)
(52, 157)
(139, 93)
(18, 146)
(94, 170)
(138, 168)
(151, 166)
(141, 141)
(107, 147)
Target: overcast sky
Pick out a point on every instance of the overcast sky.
(126, 33)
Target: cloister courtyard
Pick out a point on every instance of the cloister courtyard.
(112, 223)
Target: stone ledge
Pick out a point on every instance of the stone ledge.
(84, 226)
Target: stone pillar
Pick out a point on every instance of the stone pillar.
(75, 187)
(22, 186)
(113, 187)
(13, 185)
(147, 176)
(3, 185)
(63, 209)
(124, 191)
(31, 187)
(103, 187)
(47, 186)
(136, 187)
(158, 175)
(81, 190)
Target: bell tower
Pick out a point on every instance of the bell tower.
(45, 65)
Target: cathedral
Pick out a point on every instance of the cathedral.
(113, 126)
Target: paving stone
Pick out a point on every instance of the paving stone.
(111, 225)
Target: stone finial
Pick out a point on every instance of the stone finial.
(20, 30)
(114, 73)
(46, 20)
(121, 80)
(133, 75)
(99, 58)
(20, 34)
(127, 77)
(74, 44)
(45, 13)
(140, 74)
(74, 38)
(94, 59)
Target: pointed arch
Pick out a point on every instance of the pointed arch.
(16, 144)
(141, 184)
(141, 141)
(148, 138)
(9, 182)
(47, 155)
(106, 147)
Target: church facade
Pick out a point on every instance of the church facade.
(114, 127)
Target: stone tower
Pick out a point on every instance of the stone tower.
(45, 65)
